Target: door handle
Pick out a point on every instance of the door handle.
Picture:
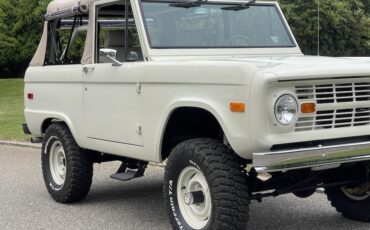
(86, 69)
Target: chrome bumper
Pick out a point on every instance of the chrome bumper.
(315, 158)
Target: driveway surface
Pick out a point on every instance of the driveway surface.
(137, 204)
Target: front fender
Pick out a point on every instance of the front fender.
(234, 125)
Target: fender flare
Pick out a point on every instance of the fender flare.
(187, 103)
(62, 118)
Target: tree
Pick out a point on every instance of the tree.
(344, 29)
(8, 43)
(20, 33)
(344, 26)
(367, 6)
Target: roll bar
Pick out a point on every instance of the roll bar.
(75, 10)
(67, 23)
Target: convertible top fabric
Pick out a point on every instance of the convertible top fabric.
(63, 5)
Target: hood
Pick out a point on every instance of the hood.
(312, 67)
(295, 67)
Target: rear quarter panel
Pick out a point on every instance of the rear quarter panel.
(57, 93)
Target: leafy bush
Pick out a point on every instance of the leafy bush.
(20, 28)
(345, 26)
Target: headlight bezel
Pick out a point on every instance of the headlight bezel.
(275, 109)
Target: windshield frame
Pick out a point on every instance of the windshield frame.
(222, 2)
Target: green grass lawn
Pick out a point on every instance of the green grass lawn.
(11, 110)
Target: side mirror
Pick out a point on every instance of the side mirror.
(110, 54)
(132, 56)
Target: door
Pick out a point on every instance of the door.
(111, 98)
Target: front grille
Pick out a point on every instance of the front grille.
(338, 105)
(334, 93)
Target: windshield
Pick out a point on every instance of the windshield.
(214, 25)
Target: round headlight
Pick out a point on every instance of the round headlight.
(286, 109)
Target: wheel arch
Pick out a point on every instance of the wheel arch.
(53, 119)
(192, 114)
(47, 122)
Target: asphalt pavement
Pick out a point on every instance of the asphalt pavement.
(137, 204)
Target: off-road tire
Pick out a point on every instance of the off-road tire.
(349, 208)
(79, 168)
(225, 177)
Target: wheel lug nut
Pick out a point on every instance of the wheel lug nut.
(196, 197)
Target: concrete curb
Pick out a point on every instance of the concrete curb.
(21, 144)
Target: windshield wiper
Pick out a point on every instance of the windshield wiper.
(240, 6)
(188, 4)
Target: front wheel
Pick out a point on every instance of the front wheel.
(352, 202)
(205, 187)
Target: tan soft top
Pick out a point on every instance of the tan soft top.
(62, 5)
(58, 7)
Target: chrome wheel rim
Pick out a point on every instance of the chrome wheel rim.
(57, 162)
(358, 193)
(196, 215)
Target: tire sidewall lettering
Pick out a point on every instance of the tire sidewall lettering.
(172, 200)
(54, 188)
(46, 155)
(47, 144)
(195, 165)
(172, 190)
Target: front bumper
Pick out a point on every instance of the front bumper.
(315, 158)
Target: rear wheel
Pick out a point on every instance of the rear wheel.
(67, 170)
(205, 187)
(352, 202)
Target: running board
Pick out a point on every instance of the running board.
(126, 173)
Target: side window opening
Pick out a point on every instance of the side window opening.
(66, 40)
(118, 33)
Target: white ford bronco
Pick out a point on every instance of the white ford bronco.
(218, 88)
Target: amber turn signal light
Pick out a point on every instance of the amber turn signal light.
(237, 107)
(308, 108)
